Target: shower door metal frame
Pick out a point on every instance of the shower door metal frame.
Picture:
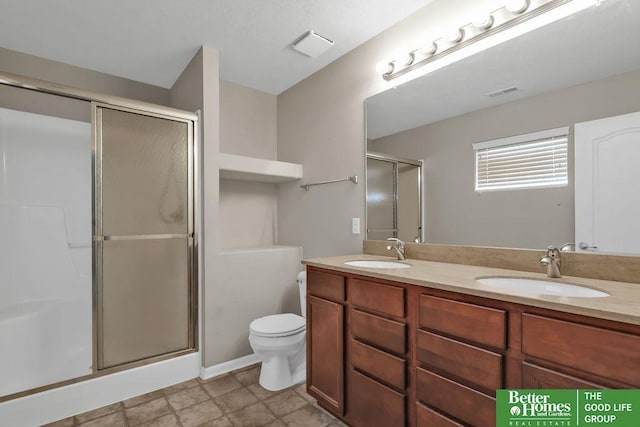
(117, 102)
(384, 157)
(96, 121)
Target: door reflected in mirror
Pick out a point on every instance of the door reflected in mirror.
(568, 74)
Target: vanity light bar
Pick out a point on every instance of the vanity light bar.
(514, 13)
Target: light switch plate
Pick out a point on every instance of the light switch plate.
(355, 225)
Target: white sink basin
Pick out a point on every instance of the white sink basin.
(377, 264)
(542, 287)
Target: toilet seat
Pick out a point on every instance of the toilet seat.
(278, 325)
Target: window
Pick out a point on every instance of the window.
(524, 161)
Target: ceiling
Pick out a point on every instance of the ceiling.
(152, 41)
(595, 43)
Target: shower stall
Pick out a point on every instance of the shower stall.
(394, 198)
(97, 235)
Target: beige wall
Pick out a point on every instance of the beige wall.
(69, 75)
(198, 88)
(262, 280)
(248, 210)
(247, 122)
(239, 285)
(321, 125)
(252, 284)
(248, 214)
(531, 218)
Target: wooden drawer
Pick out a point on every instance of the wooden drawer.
(377, 297)
(472, 322)
(463, 403)
(383, 333)
(383, 366)
(427, 417)
(602, 352)
(536, 377)
(373, 405)
(464, 361)
(325, 285)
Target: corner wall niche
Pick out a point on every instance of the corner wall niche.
(248, 236)
(248, 204)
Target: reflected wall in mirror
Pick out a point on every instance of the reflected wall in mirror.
(582, 68)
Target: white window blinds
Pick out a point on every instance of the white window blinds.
(524, 161)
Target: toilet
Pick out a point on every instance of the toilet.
(279, 341)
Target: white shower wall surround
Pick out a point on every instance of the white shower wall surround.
(45, 250)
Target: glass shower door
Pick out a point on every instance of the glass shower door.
(394, 198)
(144, 236)
(381, 199)
(408, 183)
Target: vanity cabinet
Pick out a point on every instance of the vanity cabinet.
(395, 354)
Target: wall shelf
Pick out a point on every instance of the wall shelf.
(258, 170)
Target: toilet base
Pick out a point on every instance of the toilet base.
(275, 374)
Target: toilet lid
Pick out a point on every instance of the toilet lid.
(278, 325)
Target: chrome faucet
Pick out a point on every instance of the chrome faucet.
(399, 247)
(552, 261)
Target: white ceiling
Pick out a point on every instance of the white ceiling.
(153, 40)
(593, 44)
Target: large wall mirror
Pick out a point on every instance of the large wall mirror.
(573, 85)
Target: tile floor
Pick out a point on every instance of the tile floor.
(231, 400)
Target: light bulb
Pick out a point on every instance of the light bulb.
(483, 22)
(384, 67)
(429, 49)
(517, 6)
(455, 35)
(405, 60)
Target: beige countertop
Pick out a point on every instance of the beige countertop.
(623, 305)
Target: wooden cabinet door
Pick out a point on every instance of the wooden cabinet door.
(325, 353)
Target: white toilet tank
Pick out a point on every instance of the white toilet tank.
(302, 284)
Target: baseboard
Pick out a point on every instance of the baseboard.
(231, 365)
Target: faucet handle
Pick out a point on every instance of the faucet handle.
(398, 241)
(585, 247)
(568, 247)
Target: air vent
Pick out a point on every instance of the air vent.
(312, 44)
(502, 92)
